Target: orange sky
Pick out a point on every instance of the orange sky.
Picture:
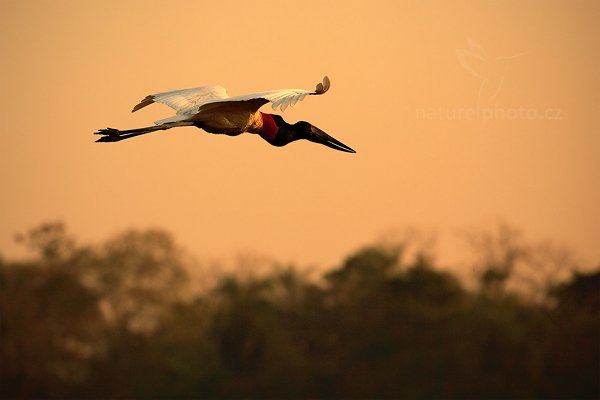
(443, 142)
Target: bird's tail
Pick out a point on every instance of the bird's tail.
(116, 135)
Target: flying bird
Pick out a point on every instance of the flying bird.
(210, 108)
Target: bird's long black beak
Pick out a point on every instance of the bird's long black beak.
(318, 136)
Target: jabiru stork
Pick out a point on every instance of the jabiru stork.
(210, 108)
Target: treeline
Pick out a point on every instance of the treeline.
(121, 321)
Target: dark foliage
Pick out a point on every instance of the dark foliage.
(117, 322)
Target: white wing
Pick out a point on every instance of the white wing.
(190, 102)
(281, 99)
(186, 101)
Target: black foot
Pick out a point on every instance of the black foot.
(109, 135)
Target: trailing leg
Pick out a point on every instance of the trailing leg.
(115, 135)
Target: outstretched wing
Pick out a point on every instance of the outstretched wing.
(185, 101)
(281, 99)
(210, 99)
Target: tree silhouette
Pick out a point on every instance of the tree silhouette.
(117, 320)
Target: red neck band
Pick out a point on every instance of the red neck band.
(269, 128)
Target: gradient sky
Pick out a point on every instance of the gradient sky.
(461, 112)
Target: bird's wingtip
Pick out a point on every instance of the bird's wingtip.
(145, 102)
(324, 86)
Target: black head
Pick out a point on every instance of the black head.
(305, 130)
